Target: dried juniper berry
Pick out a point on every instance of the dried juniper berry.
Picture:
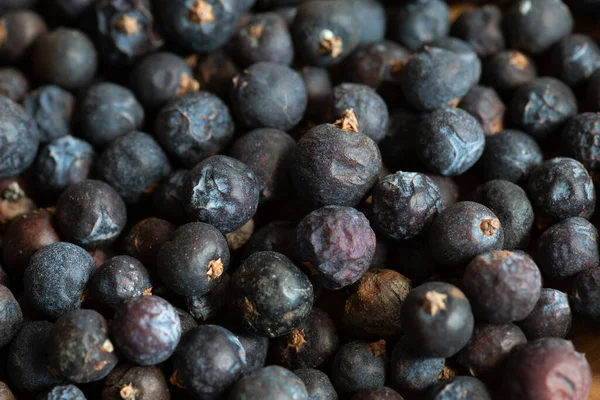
(542, 106)
(56, 277)
(585, 295)
(561, 188)
(369, 108)
(128, 382)
(481, 28)
(547, 368)
(167, 198)
(272, 382)
(484, 104)
(256, 348)
(146, 329)
(464, 230)
(413, 372)
(371, 18)
(27, 364)
(317, 384)
(335, 164)
(579, 139)
(194, 127)
(221, 191)
(311, 345)
(200, 26)
(270, 296)
(373, 64)
(437, 318)
(319, 91)
(19, 29)
(324, 33)
(510, 155)
(502, 286)
(278, 236)
(91, 214)
(269, 95)
(383, 393)
(215, 72)
(551, 316)
(405, 204)
(336, 244)
(68, 392)
(51, 107)
(265, 37)
(65, 57)
(459, 387)
(489, 347)
(359, 366)
(208, 361)
(267, 152)
(467, 54)
(78, 347)
(13, 84)
(161, 77)
(19, 139)
(193, 260)
(125, 31)
(419, 23)
(11, 316)
(450, 141)
(567, 248)
(145, 239)
(118, 279)
(107, 112)
(206, 306)
(507, 70)
(512, 207)
(574, 59)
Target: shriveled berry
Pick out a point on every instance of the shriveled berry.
(51, 107)
(574, 59)
(551, 316)
(580, 141)
(68, 392)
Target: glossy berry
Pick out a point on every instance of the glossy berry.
(11, 316)
(91, 214)
(269, 95)
(510, 155)
(546, 368)
(374, 64)
(464, 230)
(208, 361)
(278, 236)
(411, 371)
(507, 70)
(317, 384)
(574, 59)
(585, 294)
(70, 392)
(207, 306)
(512, 207)
(194, 127)
(359, 366)
(78, 347)
(65, 57)
(272, 382)
(578, 139)
(13, 84)
(56, 278)
(481, 28)
(19, 139)
(256, 348)
(335, 166)
(192, 261)
(561, 188)
(167, 199)
(264, 289)
(371, 18)
(52, 108)
(450, 141)
(145, 239)
(437, 318)
(484, 104)
(337, 245)
(146, 329)
(21, 28)
(551, 316)
(133, 382)
(419, 23)
(542, 106)
(467, 387)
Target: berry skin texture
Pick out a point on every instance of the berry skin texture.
(146, 330)
(21, 29)
(542, 106)
(370, 109)
(332, 166)
(405, 204)
(459, 387)
(574, 59)
(561, 188)
(567, 248)
(371, 18)
(65, 57)
(56, 277)
(194, 127)
(272, 382)
(256, 348)
(413, 372)
(221, 191)
(502, 286)
(373, 64)
(208, 361)
(319, 91)
(484, 104)
(128, 382)
(450, 141)
(580, 139)
(269, 95)
(317, 384)
(467, 54)
(481, 28)
(68, 392)
(193, 260)
(462, 231)
(438, 319)
(11, 316)
(19, 139)
(551, 316)
(585, 295)
(325, 33)
(133, 165)
(52, 108)
(78, 347)
(337, 244)
(359, 366)
(145, 239)
(269, 295)
(507, 70)
(420, 23)
(91, 214)
(545, 369)
(108, 111)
